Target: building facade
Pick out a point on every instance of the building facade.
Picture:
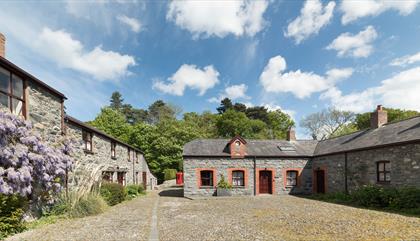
(97, 155)
(387, 154)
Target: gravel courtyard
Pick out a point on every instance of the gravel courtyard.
(278, 218)
(234, 218)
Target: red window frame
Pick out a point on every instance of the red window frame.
(206, 178)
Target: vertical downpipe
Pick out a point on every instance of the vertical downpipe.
(345, 174)
(255, 175)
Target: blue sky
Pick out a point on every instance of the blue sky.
(298, 56)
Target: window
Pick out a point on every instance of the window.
(113, 153)
(384, 171)
(87, 138)
(107, 176)
(291, 178)
(206, 178)
(136, 157)
(238, 179)
(12, 92)
(129, 154)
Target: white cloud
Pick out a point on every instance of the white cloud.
(353, 10)
(60, 47)
(133, 23)
(301, 84)
(274, 107)
(189, 76)
(399, 91)
(218, 18)
(406, 60)
(313, 16)
(357, 46)
(232, 92)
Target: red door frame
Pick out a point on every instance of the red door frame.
(257, 179)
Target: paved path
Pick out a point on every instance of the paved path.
(126, 221)
(168, 216)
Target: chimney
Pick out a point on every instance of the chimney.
(291, 134)
(378, 118)
(2, 46)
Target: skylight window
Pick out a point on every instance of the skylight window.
(287, 148)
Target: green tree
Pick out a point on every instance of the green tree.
(159, 111)
(205, 123)
(257, 113)
(225, 105)
(278, 124)
(113, 123)
(232, 123)
(116, 100)
(239, 107)
(363, 120)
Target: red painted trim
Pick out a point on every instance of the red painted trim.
(198, 175)
(257, 180)
(298, 181)
(314, 181)
(229, 173)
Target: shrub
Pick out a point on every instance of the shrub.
(223, 184)
(11, 214)
(113, 193)
(368, 196)
(406, 198)
(134, 190)
(169, 174)
(74, 206)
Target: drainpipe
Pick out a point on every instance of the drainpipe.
(345, 174)
(255, 175)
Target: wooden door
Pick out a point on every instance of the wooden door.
(320, 181)
(144, 180)
(121, 178)
(265, 182)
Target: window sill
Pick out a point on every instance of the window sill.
(88, 152)
(113, 158)
(238, 187)
(207, 187)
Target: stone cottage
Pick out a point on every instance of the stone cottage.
(97, 155)
(386, 154)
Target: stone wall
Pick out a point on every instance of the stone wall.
(89, 166)
(334, 167)
(362, 167)
(192, 166)
(44, 111)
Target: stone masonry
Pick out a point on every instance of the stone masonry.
(222, 165)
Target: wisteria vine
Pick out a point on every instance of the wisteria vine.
(27, 164)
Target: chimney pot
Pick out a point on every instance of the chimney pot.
(379, 117)
(2, 45)
(291, 134)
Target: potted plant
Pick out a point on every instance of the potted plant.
(223, 187)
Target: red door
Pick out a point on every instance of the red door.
(320, 181)
(265, 182)
(144, 180)
(121, 178)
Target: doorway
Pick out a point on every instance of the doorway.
(265, 182)
(320, 181)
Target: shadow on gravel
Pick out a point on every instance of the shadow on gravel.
(173, 192)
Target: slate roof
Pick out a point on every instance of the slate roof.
(390, 134)
(266, 148)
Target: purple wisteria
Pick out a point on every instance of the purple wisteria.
(27, 164)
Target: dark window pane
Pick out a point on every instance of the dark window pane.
(4, 100)
(17, 107)
(206, 178)
(17, 87)
(4, 80)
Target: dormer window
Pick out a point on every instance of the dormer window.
(237, 147)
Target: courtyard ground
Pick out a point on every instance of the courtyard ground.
(233, 218)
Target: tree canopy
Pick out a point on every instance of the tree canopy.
(161, 135)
